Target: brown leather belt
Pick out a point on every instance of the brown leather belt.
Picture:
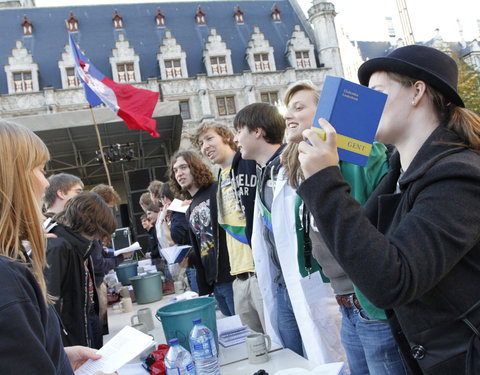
(245, 275)
(345, 301)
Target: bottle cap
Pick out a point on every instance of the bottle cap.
(197, 321)
(173, 342)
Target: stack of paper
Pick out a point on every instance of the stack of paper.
(231, 331)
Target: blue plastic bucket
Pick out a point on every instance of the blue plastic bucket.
(177, 318)
(126, 270)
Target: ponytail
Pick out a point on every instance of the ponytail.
(466, 124)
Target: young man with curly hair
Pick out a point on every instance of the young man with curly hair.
(192, 179)
(237, 180)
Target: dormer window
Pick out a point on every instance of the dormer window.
(72, 79)
(172, 61)
(117, 20)
(300, 51)
(126, 72)
(27, 26)
(259, 53)
(238, 15)
(125, 62)
(21, 71)
(262, 63)
(219, 65)
(200, 16)
(22, 81)
(216, 56)
(276, 14)
(160, 18)
(173, 68)
(72, 23)
(303, 59)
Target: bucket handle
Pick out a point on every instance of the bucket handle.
(158, 318)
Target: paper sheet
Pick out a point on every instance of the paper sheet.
(134, 246)
(122, 348)
(178, 205)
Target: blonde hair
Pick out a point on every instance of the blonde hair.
(20, 215)
(290, 153)
(222, 130)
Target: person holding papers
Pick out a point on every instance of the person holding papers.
(177, 225)
(365, 333)
(29, 326)
(414, 247)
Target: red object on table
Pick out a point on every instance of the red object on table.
(158, 368)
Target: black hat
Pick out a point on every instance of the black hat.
(427, 64)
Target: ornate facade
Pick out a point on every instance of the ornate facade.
(210, 59)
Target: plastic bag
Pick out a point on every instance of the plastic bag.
(155, 362)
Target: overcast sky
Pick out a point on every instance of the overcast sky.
(365, 20)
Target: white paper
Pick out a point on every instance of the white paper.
(178, 205)
(231, 331)
(122, 348)
(134, 246)
(228, 325)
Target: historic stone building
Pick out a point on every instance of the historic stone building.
(207, 60)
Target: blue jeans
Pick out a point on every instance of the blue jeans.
(287, 324)
(192, 278)
(369, 344)
(223, 293)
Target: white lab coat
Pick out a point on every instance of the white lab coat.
(321, 338)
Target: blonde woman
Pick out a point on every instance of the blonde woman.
(29, 327)
(414, 248)
(365, 333)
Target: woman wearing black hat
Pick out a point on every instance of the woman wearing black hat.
(414, 248)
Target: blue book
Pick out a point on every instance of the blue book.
(354, 111)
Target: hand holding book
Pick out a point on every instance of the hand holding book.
(319, 154)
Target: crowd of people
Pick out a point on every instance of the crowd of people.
(376, 266)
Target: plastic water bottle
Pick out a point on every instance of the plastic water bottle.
(178, 360)
(203, 348)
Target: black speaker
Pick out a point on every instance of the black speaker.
(138, 179)
(124, 219)
(134, 201)
(161, 173)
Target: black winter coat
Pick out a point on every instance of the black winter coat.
(66, 282)
(417, 251)
(29, 329)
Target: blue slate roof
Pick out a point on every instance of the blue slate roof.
(97, 36)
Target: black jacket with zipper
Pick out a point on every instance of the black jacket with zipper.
(210, 255)
(244, 174)
(66, 280)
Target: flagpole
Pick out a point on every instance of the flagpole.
(99, 139)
